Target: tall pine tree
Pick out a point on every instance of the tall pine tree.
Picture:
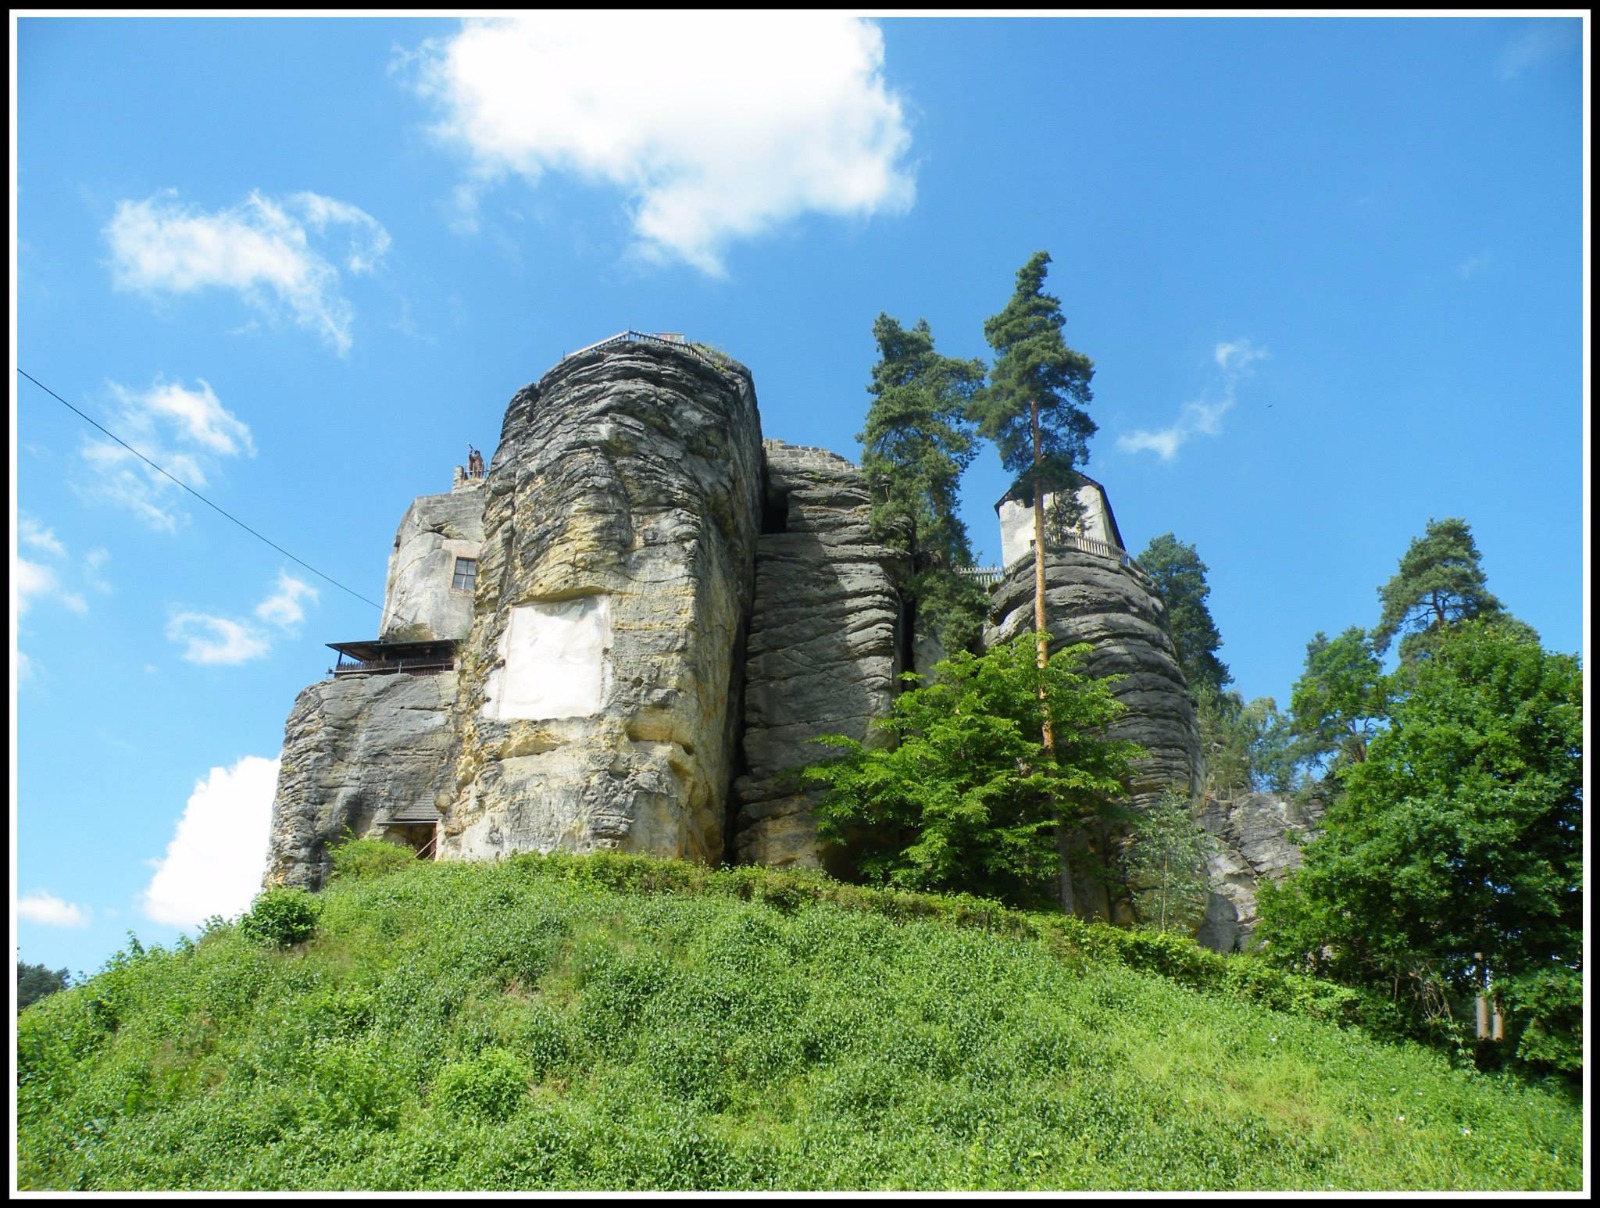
(1033, 411)
(916, 444)
(1439, 582)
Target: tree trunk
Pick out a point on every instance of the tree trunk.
(1048, 735)
(1483, 997)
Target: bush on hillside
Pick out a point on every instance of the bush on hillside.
(362, 859)
(281, 916)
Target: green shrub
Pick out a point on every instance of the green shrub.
(490, 1085)
(281, 916)
(362, 859)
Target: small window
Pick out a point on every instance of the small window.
(466, 576)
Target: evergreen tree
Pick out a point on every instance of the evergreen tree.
(1439, 582)
(916, 444)
(1180, 579)
(1033, 411)
(35, 981)
(965, 797)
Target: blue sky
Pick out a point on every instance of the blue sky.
(1330, 272)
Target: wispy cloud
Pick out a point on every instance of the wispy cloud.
(1540, 42)
(716, 126)
(262, 249)
(282, 607)
(186, 431)
(51, 911)
(1201, 417)
(31, 532)
(218, 851)
(33, 580)
(224, 641)
(216, 641)
(1473, 265)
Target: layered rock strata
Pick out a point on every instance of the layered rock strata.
(824, 649)
(359, 751)
(1258, 838)
(599, 698)
(1110, 603)
(420, 599)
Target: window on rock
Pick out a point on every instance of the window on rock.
(466, 576)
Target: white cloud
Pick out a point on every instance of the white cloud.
(35, 580)
(218, 852)
(185, 431)
(1537, 43)
(31, 532)
(717, 126)
(216, 640)
(282, 608)
(51, 911)
(260, 248)
(1198, 418)
(221, 641)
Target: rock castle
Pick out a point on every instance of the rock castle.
(626, 634)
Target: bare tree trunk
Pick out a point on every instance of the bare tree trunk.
(1048, 737)
(1483, 997)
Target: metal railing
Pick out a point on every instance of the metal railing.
(991, 575)
(669, 339)
(408, 666)
(988, 576)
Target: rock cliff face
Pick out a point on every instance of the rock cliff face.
(420, 601)
(600, 685)
(359, 751)
(1099, 599)
(824, 648)
(1258, 838)
(665, 614)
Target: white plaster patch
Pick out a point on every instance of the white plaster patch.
(554, 661)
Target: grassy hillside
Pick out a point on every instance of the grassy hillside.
(617, 1022)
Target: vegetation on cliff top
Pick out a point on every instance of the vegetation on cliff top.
(621, 1022)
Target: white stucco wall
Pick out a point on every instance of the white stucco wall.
(554, 661)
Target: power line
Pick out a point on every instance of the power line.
(196, 493)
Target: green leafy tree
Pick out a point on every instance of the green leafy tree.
(1341, 699)
(1248, 746)
(35, 982)
(1166, 866)
(916, 445)
(966, 797)
(1439, 582)
(1033, 411)
(1180, 578)
(1460, 834)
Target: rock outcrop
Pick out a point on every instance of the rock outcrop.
(600, 685)
(359, 752)
(1258, 837)
(1107, 601)
(825, 645)
(420, 599)
(648, 617)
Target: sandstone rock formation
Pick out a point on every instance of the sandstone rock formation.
(665, 613)
(824, 649)
(419, 601)
(600, 684)
(359, 752)
(1258, 838)
(1102, 599)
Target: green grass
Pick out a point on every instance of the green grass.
(625, 1023)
